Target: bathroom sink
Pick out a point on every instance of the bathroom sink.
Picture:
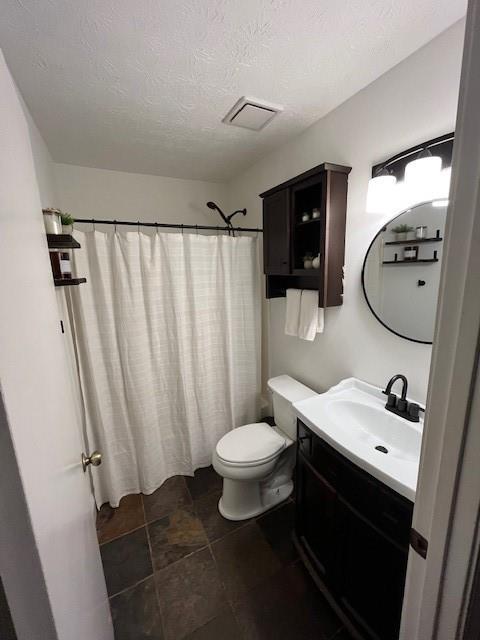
(352, 418)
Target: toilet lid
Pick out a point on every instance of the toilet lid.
(250, 443)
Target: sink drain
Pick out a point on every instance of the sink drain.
(382, 449)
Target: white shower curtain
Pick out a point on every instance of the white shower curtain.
(167, 339)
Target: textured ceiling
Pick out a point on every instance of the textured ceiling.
(143, 85)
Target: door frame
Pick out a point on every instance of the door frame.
(439, 587)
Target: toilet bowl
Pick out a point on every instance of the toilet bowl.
(257, 460)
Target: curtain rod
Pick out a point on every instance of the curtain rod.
(165, 225)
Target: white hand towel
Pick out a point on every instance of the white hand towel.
(308, 323)
(292, 313)
(321, 320)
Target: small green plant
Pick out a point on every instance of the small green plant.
(402, 228)
(67, 219)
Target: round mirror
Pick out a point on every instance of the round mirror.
(401, 271)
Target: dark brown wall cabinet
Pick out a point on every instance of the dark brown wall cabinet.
(287, 238)
(352, 532)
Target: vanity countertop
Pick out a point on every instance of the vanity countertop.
(351, 417)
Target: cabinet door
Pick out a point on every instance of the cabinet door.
(315, 522)
(371, 576)
(276, 233)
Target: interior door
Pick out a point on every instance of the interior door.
(40, 418)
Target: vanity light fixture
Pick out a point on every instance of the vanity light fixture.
(412, 176)
(381, 190)
(422, 175)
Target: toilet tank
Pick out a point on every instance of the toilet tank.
(285, 391)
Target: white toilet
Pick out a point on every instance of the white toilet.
(256, 461)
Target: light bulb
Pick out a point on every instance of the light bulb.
(380, 194)
(422, 176)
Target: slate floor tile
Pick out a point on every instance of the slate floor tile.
(223, 627)
(215, 525)
(277, 527)
(251, 566)
(175, 536)
(136, 614)
(244, 559)
(205, 480)
(172, 495)
(113, 523)
(126, 561)
(190, 593)
(282, 609)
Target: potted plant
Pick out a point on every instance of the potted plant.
(67, 223)
(401, 231)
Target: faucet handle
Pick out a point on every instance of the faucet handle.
(414, 410)
(391, 400)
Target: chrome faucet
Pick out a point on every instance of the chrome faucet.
(400, 406)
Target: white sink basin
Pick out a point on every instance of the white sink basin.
(352, 418)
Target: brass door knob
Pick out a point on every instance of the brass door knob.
(94, 459)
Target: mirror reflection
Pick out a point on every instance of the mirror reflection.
(401, 271)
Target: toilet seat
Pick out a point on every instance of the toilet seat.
(250, 445)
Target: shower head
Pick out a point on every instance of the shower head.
(226, 219)
(215, 207)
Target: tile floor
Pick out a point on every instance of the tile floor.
(175, 569)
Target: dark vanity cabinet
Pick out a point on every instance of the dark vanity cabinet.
(352, 532)
(321, 195)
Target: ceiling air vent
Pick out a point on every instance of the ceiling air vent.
(250, 113)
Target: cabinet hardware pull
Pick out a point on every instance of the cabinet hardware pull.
(418, 543)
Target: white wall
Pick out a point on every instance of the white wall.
(42, 161)
(414, 101)
(99, 193)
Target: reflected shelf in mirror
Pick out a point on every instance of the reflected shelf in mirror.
(404, 301)
(426, 260)
(414, 241)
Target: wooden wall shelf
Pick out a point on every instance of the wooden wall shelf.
(62, 241)
(309, 273)
(417, 241)
(68, 282)
(286, 239)
(58, 243)
(302, 223)
(425, 261)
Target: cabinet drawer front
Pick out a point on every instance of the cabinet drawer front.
(316, 518)
(387, 510)
(371, 575)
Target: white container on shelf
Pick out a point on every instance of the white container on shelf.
(52, 221)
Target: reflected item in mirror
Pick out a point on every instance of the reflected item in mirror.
(410, 253)
(400, 276)
(421, 232)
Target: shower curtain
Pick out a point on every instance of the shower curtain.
(166, 334)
